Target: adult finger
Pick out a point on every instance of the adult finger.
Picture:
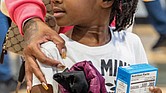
(38, 54)
(36, 71)
(60, 44)
(33, 65)
(48, 61)
(28, 76)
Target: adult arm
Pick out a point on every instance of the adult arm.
(35, 33)
(21, 10)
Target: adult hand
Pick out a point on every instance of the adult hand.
(37, 32)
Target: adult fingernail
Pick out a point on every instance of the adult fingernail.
(18, 86)
(45, 86)
(60, 66)
(63, 53)
(28, 89)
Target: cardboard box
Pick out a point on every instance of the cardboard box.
(136, 78)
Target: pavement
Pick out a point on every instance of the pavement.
(157, 58)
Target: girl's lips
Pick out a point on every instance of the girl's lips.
(58, 12)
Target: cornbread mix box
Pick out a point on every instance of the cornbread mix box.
(136, 78)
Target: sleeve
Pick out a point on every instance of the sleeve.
(140, 53)
(50, 50)
(20, 10)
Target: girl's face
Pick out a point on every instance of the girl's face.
(76, 12)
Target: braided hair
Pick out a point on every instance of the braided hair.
(123, 11)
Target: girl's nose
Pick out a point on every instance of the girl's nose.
(57, 1)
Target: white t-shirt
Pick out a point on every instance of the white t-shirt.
(124, 48)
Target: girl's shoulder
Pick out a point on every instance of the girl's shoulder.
(132, 38)
(126, 37)
(131, 35)
(50, 50)
(124, 34)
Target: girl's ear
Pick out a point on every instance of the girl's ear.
(107, 3)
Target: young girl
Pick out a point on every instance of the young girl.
(92, 39)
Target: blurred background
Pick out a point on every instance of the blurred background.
(150, 36)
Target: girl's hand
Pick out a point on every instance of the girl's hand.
(155, 90)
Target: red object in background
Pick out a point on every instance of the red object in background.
(65, 29)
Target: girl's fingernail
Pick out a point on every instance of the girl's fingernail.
(151, 88)
(28, 89)
(60, 66)
(45, 86)
(63, 53)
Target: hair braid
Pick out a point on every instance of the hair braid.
(123, 11)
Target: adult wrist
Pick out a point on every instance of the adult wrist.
(29, 22)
